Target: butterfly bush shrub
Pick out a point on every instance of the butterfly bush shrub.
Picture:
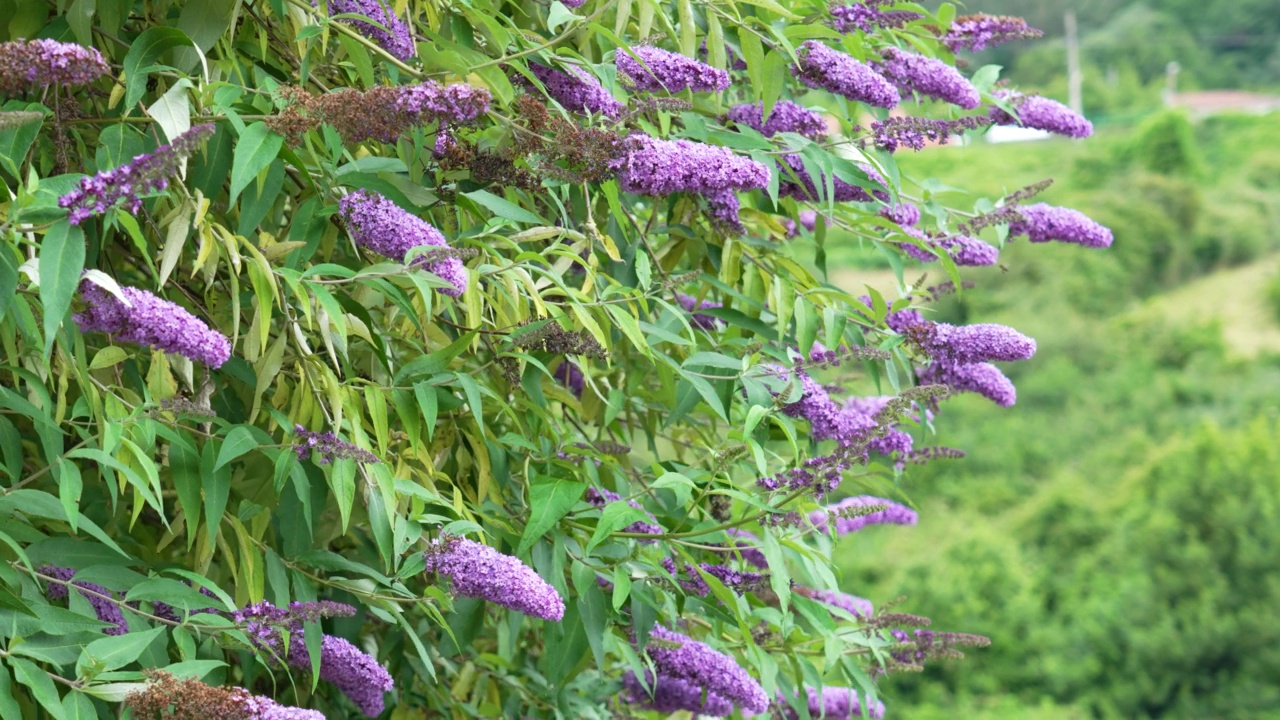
(421, 360)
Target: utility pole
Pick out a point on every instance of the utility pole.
(1074, 81)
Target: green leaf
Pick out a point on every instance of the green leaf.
(616, 516)
(142, 56)
(502, 207)
(8, 279)
(548, 502)
(110, 653)
(9, 708)
(255, 150)
(109, 356)
(42, 688)
(560, 15)
(114, 692)
(78, 706)
(15, 141)
(193, 668)
(61, 262)
(239, 441)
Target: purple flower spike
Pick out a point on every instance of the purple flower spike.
(984, 379)
(380, 225)
(852, 604)
(328, 447)
(1043, 223)
(983, 342)
(651, 166)
(866, 16)
(458, 103)
(569, 375)
(397, 39)
(830, 703)
(894, 514)
(902, 213)
(700, 320)
(826, 69)
(479, 571)
(785, 117)
(803, 187)
(107, 611)
(264, 708)
(808, 219)
(964, 250)
(577, 91)
(1042, 113)
(152, 322)
(748, 547)
(979, 32)
(32, 65)
(928, 76)
(680, 657)
(672, 695)
(672, 72)
(358, 675)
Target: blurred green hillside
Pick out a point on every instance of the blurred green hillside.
(1117, 532)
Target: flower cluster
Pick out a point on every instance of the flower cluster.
(378, 224)
(979, 32)
(660, 167)
(748, 547)
(1041, 113)
(866, 15)
(826, 69)
(396, 39)
(107, 611)
(964, 250)
(786, 116)
(927, 76)
(382, 113)
(570, 375)
(328, 447)
(479, 571)
(983, 342)
(665, 694)
(922, 645)
(680, 657)
(577, 90)
(982, 378)
(146, 173)
(820, 474)
(29, 65)
(357, 674)
(700, 320)
(551, 338)
(660, 69)
(848, 519)
(189, 699)
(796, 182)
(852, 604)
(144, 319)
(691, 581)
(903, 213)
(913, 132)
(1044, 223)
(600, 498)
(832, 703)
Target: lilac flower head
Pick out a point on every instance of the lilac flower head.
(928, 76)
(458, 103)
(672, 695)
(264, 708)
(852, 604)
(569, 375)
(826, 69)
(983, 342)
(964, 250)
(600, 498)
(651, 166)
(152, 322)
(984, 379)
(680, 657)
(106, 610)
(786, 116)
(328, 447)
(380, 225)
(831, 703)
(1042, 113)
(577, 90)
(479, 571)
(700, 320)
(914, 132)
(808, 219)
(357, 674)
(30, 65)
(146, 173)
(894, 514)
(803, 187)
(722, 207)
(672, 72)
(979, 32)
(903, 213)
(397, 39)
(1043, 223)
(691, 581)
(865, 15)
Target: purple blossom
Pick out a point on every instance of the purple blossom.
(357, 674)
(264, 708)
(723, 206)
(894, 514)
(574, 3)
(903, 213)
(30, 65)
(830, 703)
(808, 219)
(458, 103)
(479, 571)
(818, 353)
(680, 657)
(927, 76)
(982, 378)
(826, 69)
(691, 581)
(651, 166)
(152, 322)
(915, 133)
(748, 547)
(820, 474)
(672, 695)
(146, 173)
(852, 604)
(802, 186)
(697, 319)
(569, 375)
(397, 39)
(983, 342)
(600, 498)
(1043, 223)
(106, 610)
(866, 15)
(979, 32)
(672, 72)
(1042, 113)
(328, 447)
(964, 250)
(577, 90)
(385, 228)
(786, 116)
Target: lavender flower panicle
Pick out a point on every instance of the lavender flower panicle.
(691, 581)
(479, 571)
(984, 379)
(1043, 223)
(33, 65)
(152, 322)
(397, 39)
(651, 166)
(893, 514)
(808, 219)
(964, 250)
(866, 15)
(106, 610)
(328, 447)
(927, 76)
(146, 173)
(831, 703)
(722, 207)
(166, 696)
(357, 674)
(577, 90)
(979, 32)
(680, 657)
(803, 187)
(913, 132)
(826, 69)
(672, 695)
(1041, 113)
(903, 213)
(786, 116)
(383, 227)
(570, 375)
(983, 342)
(669, 71)
(852, 604)
(748, 546)
(697, 319)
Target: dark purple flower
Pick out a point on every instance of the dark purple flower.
(851, 604)
(680, 657)
(903, 213)
(867, 15)
(927, 76)
(31, 65)
(479, 571)
(982, 378)
(961, 344)
(106, 610)
(1043, 223)
(600, 498)
(380, 225)
(672, 72)
(152, 322)
(826, 69)
(577, 90)
(894, 514)
(915, 133)
(803, 187)
(651, 166)
(667, 694)
(786, 116)
(146, 173)
(1042, 113)
(570, 375)
(357, 674)
(328, 447)
(458, 103)
(964, 250)
(697, 319)
(830, 703)
(722, 207)
(396, 39)
(979, 32)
